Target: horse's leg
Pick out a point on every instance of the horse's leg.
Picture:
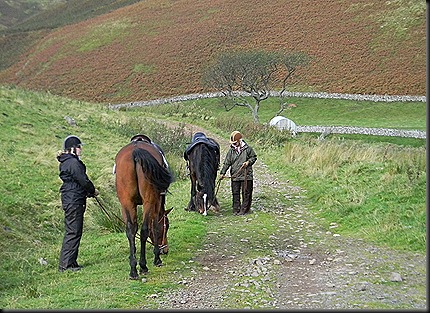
(205, 204)
(191, 204)
(144, 234)
(131, 230)
(215, 204)
(156, 236)
(157, 259)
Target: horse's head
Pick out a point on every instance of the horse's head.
(202, 202)
(161, 226)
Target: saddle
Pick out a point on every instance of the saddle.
(199, 138)
(144, 138)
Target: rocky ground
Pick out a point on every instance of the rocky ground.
(309, 267)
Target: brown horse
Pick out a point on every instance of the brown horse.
(143, 177)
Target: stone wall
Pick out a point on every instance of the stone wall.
(314, 129)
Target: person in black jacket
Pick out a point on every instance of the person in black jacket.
(75, 189)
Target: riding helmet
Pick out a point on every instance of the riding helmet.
(71, 142)
(235, 136)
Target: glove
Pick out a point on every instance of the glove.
(95, 194)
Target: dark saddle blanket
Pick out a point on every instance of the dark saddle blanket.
(200, 138)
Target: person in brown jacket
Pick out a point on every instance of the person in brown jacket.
(239, 159)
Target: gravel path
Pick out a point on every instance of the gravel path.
(309, 267)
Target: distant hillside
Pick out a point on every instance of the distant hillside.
(15, 12)
(33, 15)
(158, 48)
(24, 22)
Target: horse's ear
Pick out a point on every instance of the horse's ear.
(168, 211)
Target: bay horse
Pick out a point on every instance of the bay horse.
(142, 178)
(203, 159)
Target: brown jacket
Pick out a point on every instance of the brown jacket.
(234, 161)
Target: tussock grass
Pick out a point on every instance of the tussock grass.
(372, 191)
(329, 156)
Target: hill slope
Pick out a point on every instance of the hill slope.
(259, 261)
(15, 12)
(158, 48)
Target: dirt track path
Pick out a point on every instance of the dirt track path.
(309, 268)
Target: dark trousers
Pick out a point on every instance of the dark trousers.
(242, 189)
(73, 222)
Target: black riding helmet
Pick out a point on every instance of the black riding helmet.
(71, 142)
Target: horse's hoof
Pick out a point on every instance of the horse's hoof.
(133, 277)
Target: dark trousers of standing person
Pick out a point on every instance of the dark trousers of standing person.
(244, 189)
(74, 222)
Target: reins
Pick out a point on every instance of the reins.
(105, 211)
(109, 215)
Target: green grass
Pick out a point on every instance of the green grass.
(101, 35)
(373, 189)
(309, 111)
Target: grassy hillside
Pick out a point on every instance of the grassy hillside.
(158, 48)
(375, 191)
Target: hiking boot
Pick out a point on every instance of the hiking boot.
(75, 265)
(73, 268)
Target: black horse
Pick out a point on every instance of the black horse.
(203, 159)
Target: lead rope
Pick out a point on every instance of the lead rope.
(163, 242)
(109, 214)
(233, 176)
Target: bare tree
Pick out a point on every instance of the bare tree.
(240, 75)
(290, 62)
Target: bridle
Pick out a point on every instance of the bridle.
(164, 240)
(164, 236)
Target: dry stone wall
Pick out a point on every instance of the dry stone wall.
(320, 95)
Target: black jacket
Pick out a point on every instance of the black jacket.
(76, 185)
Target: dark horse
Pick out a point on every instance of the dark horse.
(203, 158)
(143, 177)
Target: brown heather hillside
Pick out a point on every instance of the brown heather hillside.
(157, 48)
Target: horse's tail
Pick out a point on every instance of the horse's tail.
(159, 176)
(208, 170)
